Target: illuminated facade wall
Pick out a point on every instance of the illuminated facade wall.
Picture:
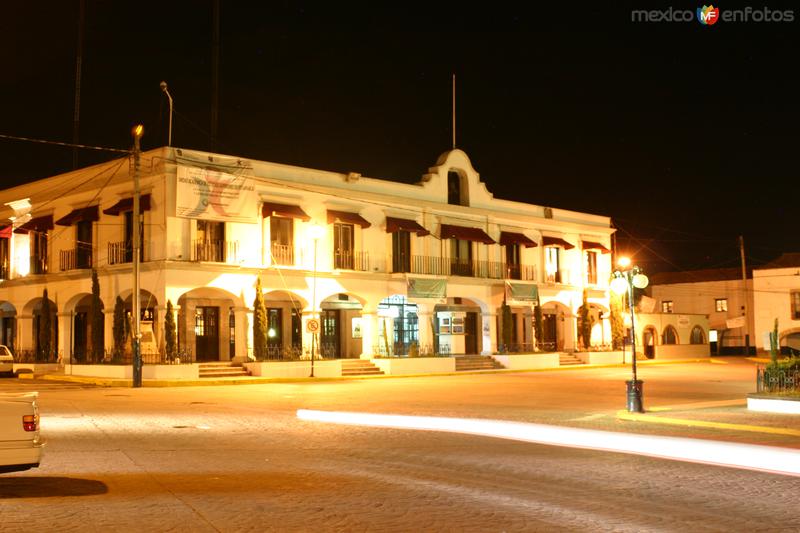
(204, 251)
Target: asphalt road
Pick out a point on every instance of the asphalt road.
(236, 458)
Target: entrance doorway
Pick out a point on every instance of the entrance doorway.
(471, 333)
(206, 332)
(649, 342)
(549, 340)
(81, 335)
(329, 344)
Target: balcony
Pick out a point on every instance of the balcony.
(557, 276)
(445, 266)
(76, 258)
(122, 252)
(350, 260)
(282, 254)
(38, 264)
(215, 251)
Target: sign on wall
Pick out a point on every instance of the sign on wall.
(214, 195)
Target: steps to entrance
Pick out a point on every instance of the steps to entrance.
(465, 363)
(222, 370)
(567, 359)
(360, 367)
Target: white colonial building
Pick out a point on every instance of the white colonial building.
(776, 290)
(397, 265)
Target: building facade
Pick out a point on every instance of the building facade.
(720, 294)
(388, 268)
(776, 289)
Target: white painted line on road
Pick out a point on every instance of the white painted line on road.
(748, 456)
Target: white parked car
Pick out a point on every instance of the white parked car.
(20, 442)
(6, 361)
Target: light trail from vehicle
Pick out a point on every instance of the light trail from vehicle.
(747, 456)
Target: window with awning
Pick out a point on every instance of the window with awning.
(347, 217)
(5, 232)
(269, 209)
(557, 241)
(40, 224)
(590, 245)
(126, 204)
(404, 224)
(84, 214)
(508, 238)
(465, 234)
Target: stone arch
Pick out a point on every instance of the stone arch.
(670, 335)
(462, 326)
(398, 326)
(34, 350)
(558, 327)
(78, 307)
(790, 338)
(205, 327)
(649, 341)
(697, 335)
(8, 325)
(340, 333)
(284, 310)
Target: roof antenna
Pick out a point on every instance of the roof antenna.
(454, 111)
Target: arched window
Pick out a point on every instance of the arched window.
(456, 189)
(698, 336)
(670, 335)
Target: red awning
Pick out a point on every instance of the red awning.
(283, 210)
(557, 241)
(126, 204)
(5, 232)
(589, 245)
(465, 234)
(84, 214)
(508, 237)
(405, 224)
(40, 224)
(347, 218)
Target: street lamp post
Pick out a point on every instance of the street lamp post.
(624, 282)
(164, 89)
(315, 232)
(138, 131)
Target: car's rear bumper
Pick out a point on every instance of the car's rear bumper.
(18, 456)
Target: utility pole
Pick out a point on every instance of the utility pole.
(76, 120)
(137, 348)
(744, 304)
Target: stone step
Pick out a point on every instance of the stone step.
(222, 369)
(476, 362)
(360, 367)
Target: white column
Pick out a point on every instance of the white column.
(425, 329)
(369, 333)
(488, 330)
(65, 331)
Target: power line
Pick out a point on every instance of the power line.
(68, 145)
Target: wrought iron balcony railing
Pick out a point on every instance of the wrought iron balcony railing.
(215, 251)
(122, 252)
(282, 254)
(350, 260)
(445, 266)
(76, 258)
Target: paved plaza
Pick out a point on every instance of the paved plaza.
(237, 458)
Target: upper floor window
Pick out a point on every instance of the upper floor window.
(551, 266)
(666, 306)
(281, 236)
(343, 246)
(721, 305)
(210, 244)
(591, 267)
(38, 252)
(5, 258)
(795, 305)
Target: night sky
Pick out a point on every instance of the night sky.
(687, 135)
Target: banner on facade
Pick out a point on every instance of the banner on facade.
(738, 322)
(522, 292)
(214, 195)
(426, 288)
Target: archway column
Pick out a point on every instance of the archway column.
(425, 328)
(488, 332)
(369, 333)
(243, 334)
(65, 323)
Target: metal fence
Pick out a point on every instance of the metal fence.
(401, 349)
(777, 380)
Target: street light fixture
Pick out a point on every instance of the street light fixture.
(315, 233)
(623, 282)
(164, 89)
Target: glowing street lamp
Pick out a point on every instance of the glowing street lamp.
(623, 282)
(315, 233)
